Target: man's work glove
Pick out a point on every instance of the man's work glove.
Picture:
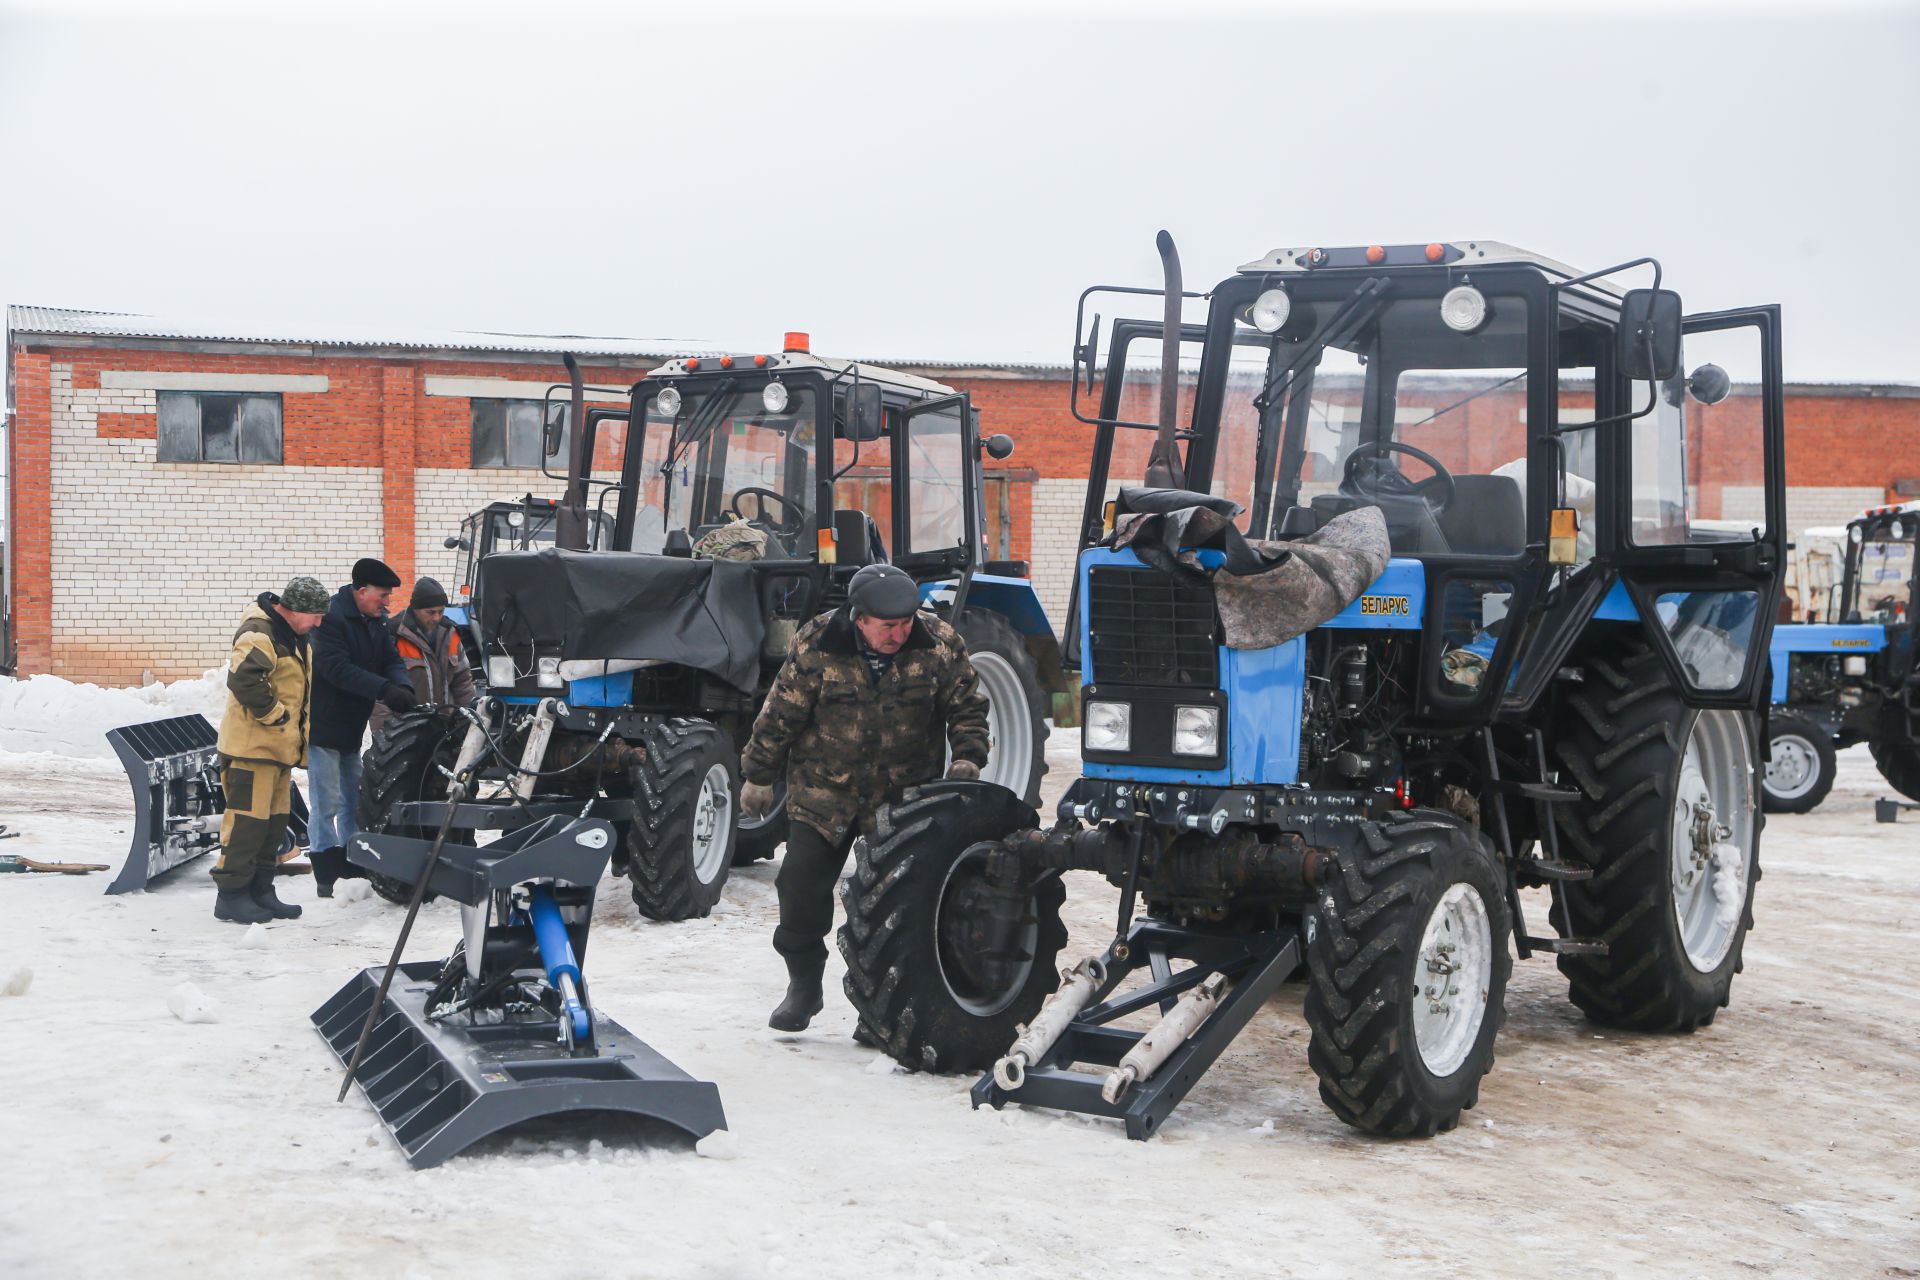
(399, 697)
(755, 800)
(964, 771)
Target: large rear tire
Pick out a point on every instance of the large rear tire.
(1899, 764)
(1017, 703)
(760, 838)
(680, 844)
(403, 766)
(917, 902)
(1800, 772)
(1407, 952)
(1658, 779)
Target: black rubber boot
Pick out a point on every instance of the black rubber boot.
(269, 900)
(236, 906)
(328, 865)
(803, 998)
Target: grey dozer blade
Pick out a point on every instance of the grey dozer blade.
(503, 1031)
(178, 801)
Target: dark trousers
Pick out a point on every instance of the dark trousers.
(805, 883)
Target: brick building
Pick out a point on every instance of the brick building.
(158, 475)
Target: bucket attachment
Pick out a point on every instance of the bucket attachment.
(1145, 1075)
(504, 1029)
(177, 798)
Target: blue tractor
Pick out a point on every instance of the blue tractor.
(1337, 716)
(626, 659)
(1839, 684)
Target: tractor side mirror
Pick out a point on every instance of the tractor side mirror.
(1709, 384)
(1647, 343)
(998, 446)
(457, 543)
(863, 414)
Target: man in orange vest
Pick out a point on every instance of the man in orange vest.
(429, 645)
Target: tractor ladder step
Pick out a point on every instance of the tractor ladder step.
(1552, 869)
(1569, 946)
(1545, 792)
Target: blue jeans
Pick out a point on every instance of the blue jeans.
(334, 779)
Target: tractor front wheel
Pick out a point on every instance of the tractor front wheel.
(944, 966)
(680, 844)
(1800, 767)
(403, 765)
(1408, 964)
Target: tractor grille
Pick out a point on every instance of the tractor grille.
(1150, 628)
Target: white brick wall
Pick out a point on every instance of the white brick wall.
(443, 498)
(172, 553)
(1055, 541)
(1808, 506)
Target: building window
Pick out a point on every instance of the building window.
(507, 433)
(213, 426)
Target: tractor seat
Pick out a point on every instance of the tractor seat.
(1411, 529)
(1487, 517)
(856, 538)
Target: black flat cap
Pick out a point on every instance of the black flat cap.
(369, 572)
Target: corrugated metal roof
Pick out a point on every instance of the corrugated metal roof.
(60, 321)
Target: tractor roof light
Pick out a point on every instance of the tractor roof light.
(1897, 530)
(1270, 310)
(667, 403)
(1855, 534)
(773, 397)
(1464, 309)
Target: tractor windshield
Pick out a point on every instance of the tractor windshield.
(723, 456)
(1391, 406)
(1886, 579)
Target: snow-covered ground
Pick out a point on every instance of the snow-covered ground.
(138, 1140)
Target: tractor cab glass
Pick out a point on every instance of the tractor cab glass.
(1403, 405)
(1886, 573)
(713, 456)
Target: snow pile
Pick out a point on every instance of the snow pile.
(17, 982)
(46, 713)
(255, 937)
(190, 1004)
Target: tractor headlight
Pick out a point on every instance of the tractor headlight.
(667, 403)
(1464, 309)
(1196, 731)
(1270, 311)
(773, 397)
(500, 672)
(1855, 666)
(548, 674)
(1109, 726)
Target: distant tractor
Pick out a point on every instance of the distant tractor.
(1337, 715)
(1855, 679)
(623, 682)
(505, 526)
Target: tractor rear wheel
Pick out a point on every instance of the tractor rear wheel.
(760, 837)
(918, 904)
(1899, 764)
(1408, 963)
(1800, 772)
(680, 844)
(402, 766)
(1016, 703)
(1670, 822)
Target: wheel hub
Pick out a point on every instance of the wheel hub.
(1711, 836)
(1793, 766)
(712, 815)
(1453, 974)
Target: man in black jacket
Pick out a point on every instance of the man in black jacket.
(355, 664)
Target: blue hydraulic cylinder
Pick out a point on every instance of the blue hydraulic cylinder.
(556, 953)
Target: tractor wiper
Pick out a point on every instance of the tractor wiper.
(1354, 312)
(698, 426)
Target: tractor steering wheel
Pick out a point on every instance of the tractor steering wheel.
(1436, 490)
(786, 527)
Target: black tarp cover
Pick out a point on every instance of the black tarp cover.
(605, 605)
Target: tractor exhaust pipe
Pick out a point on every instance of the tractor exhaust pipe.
(1077, 986)
(570, 521)
(1164, 468)
(1168, 1034)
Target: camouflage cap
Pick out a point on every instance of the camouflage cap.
(305, 595)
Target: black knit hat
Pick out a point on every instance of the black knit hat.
(883, 591)
(369, 572)
(427, 594)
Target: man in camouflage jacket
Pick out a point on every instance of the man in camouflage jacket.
(870, 700)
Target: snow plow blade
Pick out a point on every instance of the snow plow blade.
(177, 798)
(461, 1049)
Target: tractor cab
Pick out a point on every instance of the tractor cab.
(508, 526)
(1879, 582)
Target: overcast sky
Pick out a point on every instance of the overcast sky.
(941, 188)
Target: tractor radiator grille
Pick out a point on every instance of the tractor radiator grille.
(1149, 628)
